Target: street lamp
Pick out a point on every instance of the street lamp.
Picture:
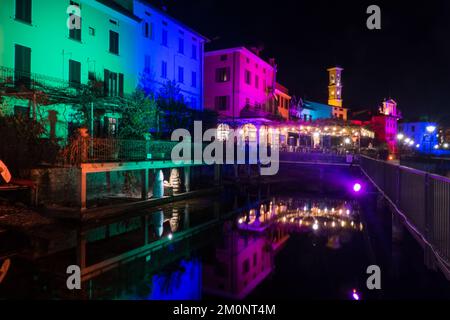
(431, 129)
(400, 136)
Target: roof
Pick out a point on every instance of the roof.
(234, 49)
(166, 15)
(117, 7)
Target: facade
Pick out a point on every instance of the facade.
(314, 110)
(169, 51)
(385, 124)
(419, 134)
(114, 45)
(335, 93)
(70, 57)
(283, 100)
(238, 81)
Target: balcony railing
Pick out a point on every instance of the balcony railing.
(14, 79)
(423, 198)
(89, 150)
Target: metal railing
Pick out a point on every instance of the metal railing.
(423, 198)
(16, 79)
(89, 150)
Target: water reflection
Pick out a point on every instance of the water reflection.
(187, 250)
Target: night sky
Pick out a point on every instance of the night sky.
(408, 60)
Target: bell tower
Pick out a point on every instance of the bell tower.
(335, 87)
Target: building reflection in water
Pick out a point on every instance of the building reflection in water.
(160, 254)
(245, 257)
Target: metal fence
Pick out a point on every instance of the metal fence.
(422, 197)
(88, 150)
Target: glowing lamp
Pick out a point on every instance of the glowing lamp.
(170, 236)
(417, 146)
(431, 129)
(355, 295)
(347, 140)
(446, 145)
(400, 136)
(357, 187)
(436, 147)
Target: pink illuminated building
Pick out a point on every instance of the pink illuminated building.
(238, 82)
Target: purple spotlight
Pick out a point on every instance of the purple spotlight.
(357, 187)
(355, 295)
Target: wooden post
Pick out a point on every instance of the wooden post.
(144, 184)
(83, 190)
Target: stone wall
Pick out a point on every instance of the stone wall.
(58, 186)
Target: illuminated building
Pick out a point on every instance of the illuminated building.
(335, 93)
(283, 99)
(119, 45)
(385, 124)
(240, 84)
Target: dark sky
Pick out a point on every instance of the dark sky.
(408, 60)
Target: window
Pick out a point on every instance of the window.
(113, 83)
(75, 33)
(256, 81)
(113, 42)
(194, 79)
(164, 37)
(193, 103)
(222, 103)
(148, 30)
(74, 73)
(163, 69)
(222, 74)
(181, 45)
(246, 266)
(147, 63)
(194, 52)
(91, 31)
(223, 57)
(254, 259)
(91, 76)
(248, 77)
(180, 74)
(264, 85)
(22, 65)
(23, 10)
(110, 125)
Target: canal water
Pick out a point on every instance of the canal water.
(305, 236)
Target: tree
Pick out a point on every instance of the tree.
(138, 116)
(174, 112)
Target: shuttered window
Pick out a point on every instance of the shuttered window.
(113, 42)
(23, 10)
(74, 72)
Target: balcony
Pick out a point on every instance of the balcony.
(13, 80)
